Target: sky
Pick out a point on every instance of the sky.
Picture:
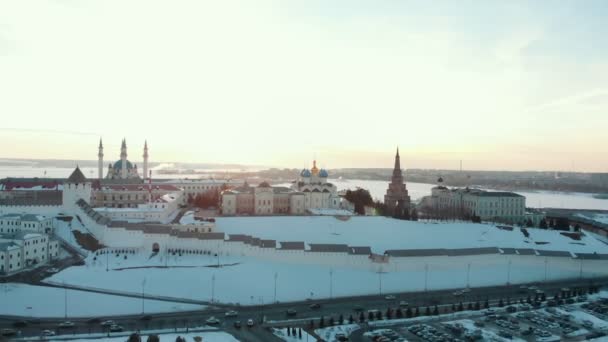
(500, 85)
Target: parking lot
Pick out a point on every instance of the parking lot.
(569, 316)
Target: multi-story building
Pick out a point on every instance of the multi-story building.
(163, 209)
(499, 206)
(13, 223)
(21, 250)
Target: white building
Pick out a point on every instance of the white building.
(499, 206)
(163, 209)
(21, 250)
(13, 223)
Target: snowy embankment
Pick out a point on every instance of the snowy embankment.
(41, 301)
(381, 233)
(251, 281)
(163, 335)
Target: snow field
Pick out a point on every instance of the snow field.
(41, 301)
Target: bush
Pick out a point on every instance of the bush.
(153, 338)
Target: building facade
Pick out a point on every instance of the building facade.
(499, 206)
(21, 250)
(310, 191)
(14, 223)
(397, 200)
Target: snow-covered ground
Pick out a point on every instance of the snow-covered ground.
(248, 280)
(207, 336)
(381, 233)
(42, 301)
(329, 334)
(286, 336)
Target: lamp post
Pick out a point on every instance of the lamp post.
(426, 277)
(212, 288)
(331, 283)
(546, 264)
(107, 260)
(509, 273)
(580, 272)
(468, 274)
(276, 275)
(143, 296)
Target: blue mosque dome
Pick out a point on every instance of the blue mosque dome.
(323, 173)
(118, 165)
(305, 173)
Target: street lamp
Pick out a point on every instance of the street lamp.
(276, 275)
(212, 288)
(143, 297)
(509, 273)
(426, 277)
(580, 272)
(331, 284)
(468, 274)
(546, 264)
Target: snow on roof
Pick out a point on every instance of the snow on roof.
(386, 234)
(292, 245)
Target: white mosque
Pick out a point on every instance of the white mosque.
(122, 169)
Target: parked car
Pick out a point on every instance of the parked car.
(8, 332)
(291, 312)
(250, 322)
(511, 309)
(107, 323)
(390, 297)
(404, 304)
(212, 321)
(237, 324)
(47, 333)
(115, 328)
(66, 325)
(231, 313)
(20, 324)
(52, 270)
(315, 306)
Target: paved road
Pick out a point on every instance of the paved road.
(274, 315)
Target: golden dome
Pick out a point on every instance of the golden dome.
(314, 170)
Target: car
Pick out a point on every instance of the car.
(52, 270)
(250, 322)
(115, 328)
(20, 324)
(47, 333)
(212, 321)
(511, 309)
(457, 293)
(107, 323)
(315, 306)
(93, 320)
(8, 332)
(466, 290)
(390, 297)
(237, 324)
(404, 304)
(146, 318)
(291, 312)
(66, 325)
(231, 313)
(358, 308)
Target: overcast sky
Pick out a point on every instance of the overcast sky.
(499, 84)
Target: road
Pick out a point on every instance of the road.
(267, 316)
